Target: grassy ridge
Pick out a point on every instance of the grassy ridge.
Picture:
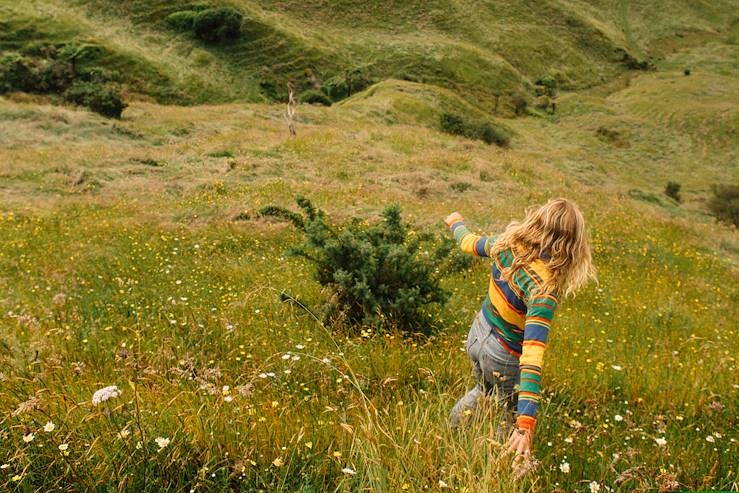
(475, 49)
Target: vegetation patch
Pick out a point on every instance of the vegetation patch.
(375, 273)
(473, 129)
(56, 72)
(724, 203)
(212, 25)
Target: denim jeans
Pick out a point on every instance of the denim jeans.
(496, 374)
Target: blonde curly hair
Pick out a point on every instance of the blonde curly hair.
(555, 232)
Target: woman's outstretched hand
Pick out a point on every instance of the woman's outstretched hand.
(453, 218)
(520, 443)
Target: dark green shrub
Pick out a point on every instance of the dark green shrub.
(376, 274)
(335, 88)
(520, 104)
(549, 85)
(17, 73)
(218, 24)
(724, 204)
(312, 96)
(480, 130)
(672, 190)
(182, 20)
(493, 135)
(55, 76)
(461, 186)
(98, 98)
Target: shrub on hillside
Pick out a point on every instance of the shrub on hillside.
(17, 73)
(672, 190)
(724, 204)
(97, 97)
(313, 96)
(548, 86)
(376, 274)
(480, 130)
(217, 24)
(182, 20)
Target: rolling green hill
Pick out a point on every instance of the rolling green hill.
(477, 49)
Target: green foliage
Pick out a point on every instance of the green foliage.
(376, 273)
(350, 82)
(217, 25)
(312, 96)
(96, 97)
(724, 203)
(479, 130)
(461, 186)
(548, 85)
(672, 190)
(17, 73)
(182, 20)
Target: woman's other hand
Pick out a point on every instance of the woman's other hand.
(453, 218)
(519, 443)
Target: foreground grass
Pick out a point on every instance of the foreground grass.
(255, 394)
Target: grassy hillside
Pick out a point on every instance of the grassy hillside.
(477, 50)
(132, 254)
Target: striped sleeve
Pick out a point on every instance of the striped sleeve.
(539, 314)
(471, 243)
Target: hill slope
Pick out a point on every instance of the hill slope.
(476, 49)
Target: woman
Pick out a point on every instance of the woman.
(534, 262)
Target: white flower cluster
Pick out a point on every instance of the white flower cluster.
(104, 394)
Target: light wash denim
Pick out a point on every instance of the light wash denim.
(496, 373)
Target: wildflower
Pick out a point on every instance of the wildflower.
(565, 467)
(617, 367)
(228, 398)
(349, 471)
(123, 433)
(661, 441)
(49, 427)
(442, 484)
(594, 487)
(104, 394)
(278, 462)
(5, 466)
(710, 439)
(337, 454)
(300, 346)
(161, 442)
(309, 445)
(226, 390)
(28, 438)
(285, 356)
(63, 446)
(325, 360)
(568, 440)
(16, 478)
(618, 417)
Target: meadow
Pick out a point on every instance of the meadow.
(132, 255)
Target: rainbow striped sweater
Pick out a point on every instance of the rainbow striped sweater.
(520, 319)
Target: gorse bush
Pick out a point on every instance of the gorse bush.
(218, 24)
(376, 273)
(312, 96)
(213, 25)
(98, 98)
(182, 20)
(478, 130)
(17, 73)
(724, 204)
(672, 190)
(57, 74)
